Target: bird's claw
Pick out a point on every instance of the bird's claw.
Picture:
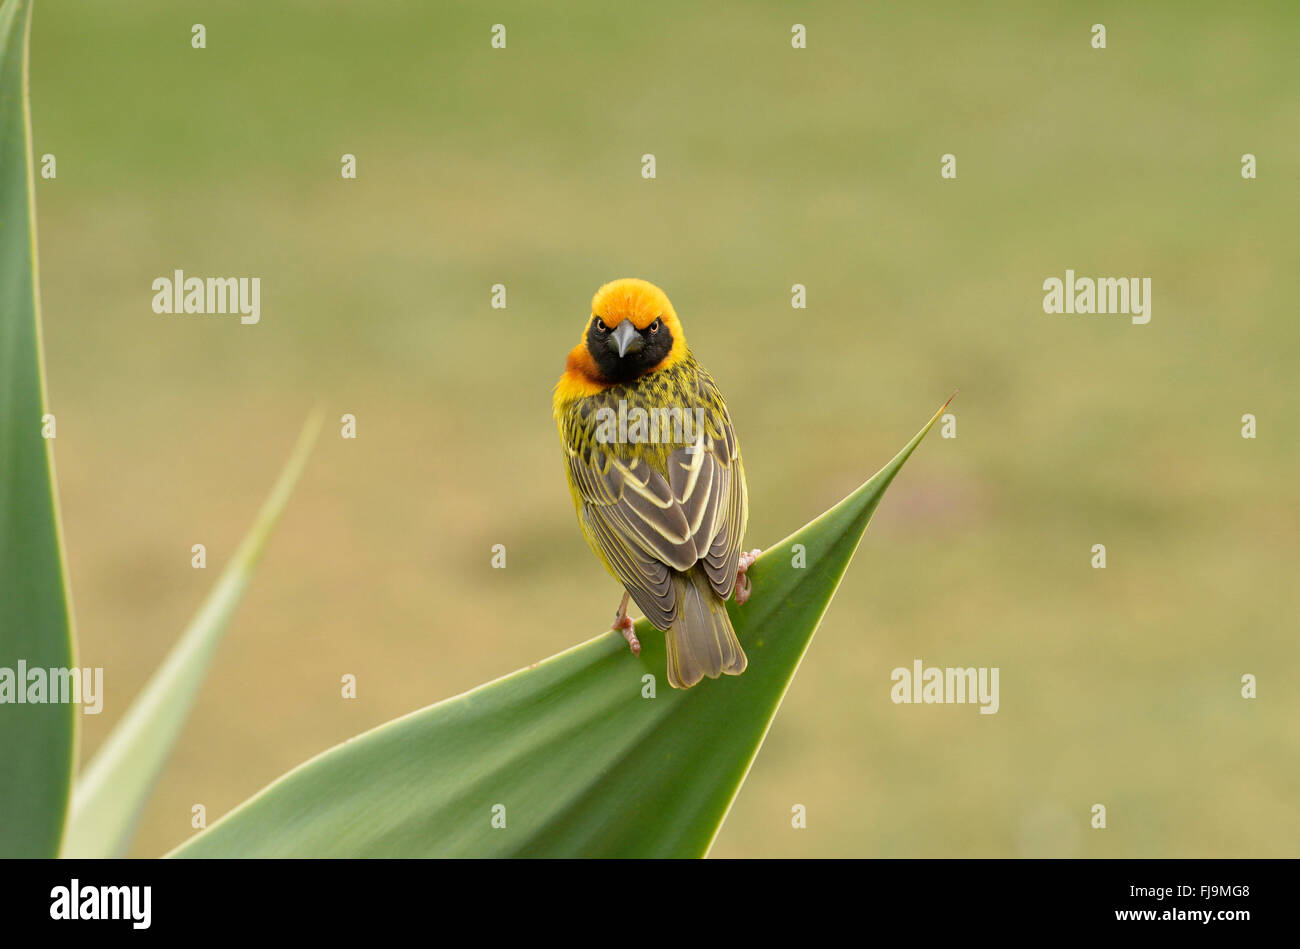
(743, 587)
(623, 624)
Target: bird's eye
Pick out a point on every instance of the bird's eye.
(600, 326)
(654, 327)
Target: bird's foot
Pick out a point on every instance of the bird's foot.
(623, 624)
(743, 587)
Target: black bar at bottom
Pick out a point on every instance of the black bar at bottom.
(614, 899)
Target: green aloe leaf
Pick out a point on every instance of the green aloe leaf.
(569, 754)
(37, 740)
(117, 782)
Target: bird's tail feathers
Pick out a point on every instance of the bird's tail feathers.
(701, 640)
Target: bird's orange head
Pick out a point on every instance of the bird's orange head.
(633, 330)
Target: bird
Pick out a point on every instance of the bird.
(654, 468)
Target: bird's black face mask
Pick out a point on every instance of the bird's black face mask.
(625, 352)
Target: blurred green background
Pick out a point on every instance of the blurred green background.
(775, 166)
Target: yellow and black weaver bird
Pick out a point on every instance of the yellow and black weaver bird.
(665, 515)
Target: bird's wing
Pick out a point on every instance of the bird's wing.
(723, 555)
(648, 525)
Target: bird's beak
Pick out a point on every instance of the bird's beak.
(625, 339)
